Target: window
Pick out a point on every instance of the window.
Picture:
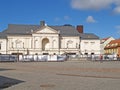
(85, 43)
(45, 53)
(69, 44)
(92, 53)
(112, 44)
(77, 45)
(18, 44)
(116, 44)
(71, 53)
(12, 44)
(92, 43)
(86, 53)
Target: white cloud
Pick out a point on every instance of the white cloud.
(95, 4)
(116, 10)
(117, 27)
(57, 19)
(91, 4)
(66, 17)
(90, 19)
(118, 32)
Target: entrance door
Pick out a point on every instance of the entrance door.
(45, 44)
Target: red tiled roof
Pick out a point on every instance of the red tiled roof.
(113, 44)
(115, 41)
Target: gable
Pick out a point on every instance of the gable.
(46, 30)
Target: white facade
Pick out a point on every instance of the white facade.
(3, 46)
(47, 40)
(90, 46)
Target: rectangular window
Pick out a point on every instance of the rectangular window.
(85, 42)
(18, 46)
(92, 43)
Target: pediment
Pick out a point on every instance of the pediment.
(46, 30)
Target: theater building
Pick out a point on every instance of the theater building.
(44, 39)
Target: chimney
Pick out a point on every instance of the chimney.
(80, 28)
(42, 23)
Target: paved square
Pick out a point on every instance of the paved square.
(74, 75)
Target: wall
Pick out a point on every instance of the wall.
(69, 42)
(90, 46)
(19, 44)
(3, 47)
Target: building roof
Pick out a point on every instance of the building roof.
(88, 36)
(113, 44)
(15, 29)
(2, 35)
(20, 29)
(105, 38)
(66, 30)
(115, 41)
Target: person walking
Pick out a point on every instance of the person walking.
(101, 58)
(118, 57)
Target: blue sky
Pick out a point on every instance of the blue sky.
(101, 17)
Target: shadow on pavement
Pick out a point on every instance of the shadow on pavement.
(6, 82)
(2, 69)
